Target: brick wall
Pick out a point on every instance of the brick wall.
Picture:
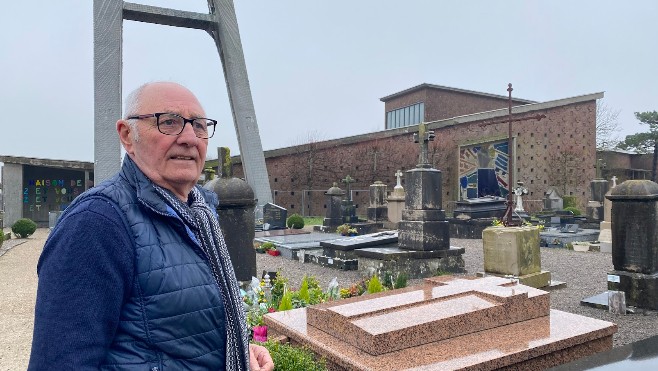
(567, 129)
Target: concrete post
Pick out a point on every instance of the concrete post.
(108, 29)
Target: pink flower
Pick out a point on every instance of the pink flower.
(260, 333)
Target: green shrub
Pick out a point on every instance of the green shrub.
(289, 358)
(568, 201)
(24, 228)
(295, 221)
(401, 281)
(573, 209)
(286, 302)
(374, 285)
(303, 291)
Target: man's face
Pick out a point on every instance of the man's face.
(174, 162)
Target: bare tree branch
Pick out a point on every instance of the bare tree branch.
(607, 126)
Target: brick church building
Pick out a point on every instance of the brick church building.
(470, 149)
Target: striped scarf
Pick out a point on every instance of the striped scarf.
(201, 220)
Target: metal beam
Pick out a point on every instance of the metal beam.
(227, 39)
(166, 16)
(107, 87)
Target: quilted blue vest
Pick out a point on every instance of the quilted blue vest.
(174, 318)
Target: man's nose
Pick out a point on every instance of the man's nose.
(187, 136)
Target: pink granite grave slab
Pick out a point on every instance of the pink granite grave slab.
(438, 310)
(446, 324)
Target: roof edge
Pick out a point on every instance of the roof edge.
(440, 87)
(434, 124)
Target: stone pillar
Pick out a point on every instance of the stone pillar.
(514, 251)
(378, 209)
(395, 203)
(635, 242)
(334, 215)
(598, 189)
(236, 219)
(605, 228)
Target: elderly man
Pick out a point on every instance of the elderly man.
(136, 274)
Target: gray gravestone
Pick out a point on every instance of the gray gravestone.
(423, 225)
(378, 209)
(274, 216)
(552, 200)
(348, 210)
(334, 216)
(617, 302)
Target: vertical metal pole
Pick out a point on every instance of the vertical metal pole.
(510, 159)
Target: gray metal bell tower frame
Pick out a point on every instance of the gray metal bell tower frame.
(222, 25)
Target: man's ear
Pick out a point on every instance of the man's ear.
(126, 135)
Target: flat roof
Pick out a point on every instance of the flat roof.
(62, 164)
(480, 116)
(447, 88)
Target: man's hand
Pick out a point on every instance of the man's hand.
(260, 359)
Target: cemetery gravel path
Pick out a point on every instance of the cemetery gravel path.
(584, 272)
(18, 289)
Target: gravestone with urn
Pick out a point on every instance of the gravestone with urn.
(334, 215)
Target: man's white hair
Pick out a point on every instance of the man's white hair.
(131, 108)
(132, 105)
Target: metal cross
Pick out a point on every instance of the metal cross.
(507, 218)
(349, 180)
(398, 174)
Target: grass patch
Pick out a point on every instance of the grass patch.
(313, 220)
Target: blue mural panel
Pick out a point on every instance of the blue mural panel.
(483, 170)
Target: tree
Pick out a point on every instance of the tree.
(561, 169)
(645, 142)
(607, 126)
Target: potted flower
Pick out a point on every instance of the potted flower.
(274, 252)
(259, 248)
(255, 322)
(352, 232)
(343, 229)
(265, 247)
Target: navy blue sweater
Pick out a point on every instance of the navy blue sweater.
(83, 281)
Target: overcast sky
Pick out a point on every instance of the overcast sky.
(319, 67)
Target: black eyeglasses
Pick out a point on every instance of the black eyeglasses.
(173, 124)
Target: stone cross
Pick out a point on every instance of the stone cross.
(614, 181)
(599, 165)
(349, 180)
(423, 137)
(519, 191)
(398, 174)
